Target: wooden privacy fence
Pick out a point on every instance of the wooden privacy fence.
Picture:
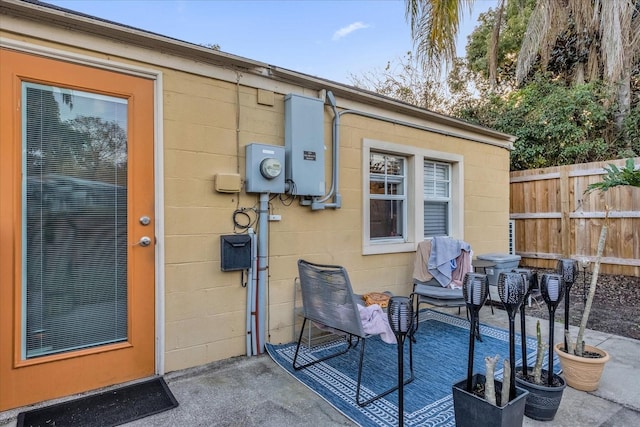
(554, 218)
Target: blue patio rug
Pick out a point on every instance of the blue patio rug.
(440, 359)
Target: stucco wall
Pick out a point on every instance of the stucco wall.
(205, 307)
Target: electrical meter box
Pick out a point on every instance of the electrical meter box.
(264, 169)
(304, 144)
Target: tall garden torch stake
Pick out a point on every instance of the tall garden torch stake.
(400, 314)
(475, 289)
(552, 289)
(511, 290)
(568, 269)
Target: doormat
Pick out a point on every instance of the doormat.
(109, 408)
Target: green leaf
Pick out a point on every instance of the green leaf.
(628, 175)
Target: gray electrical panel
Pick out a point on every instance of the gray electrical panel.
(304, 145)
(264, 169)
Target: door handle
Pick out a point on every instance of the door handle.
(144, 241)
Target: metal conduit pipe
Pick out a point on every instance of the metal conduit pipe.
(318, 204)
(250, 294)
(254, 305)
(263, 265)
(335, 155)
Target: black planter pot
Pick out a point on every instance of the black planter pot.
(542, 401)
(473, 411)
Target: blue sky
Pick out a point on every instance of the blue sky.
(327, 38)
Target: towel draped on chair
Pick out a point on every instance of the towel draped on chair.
(444, 250)
(422, 274)
(376, 322)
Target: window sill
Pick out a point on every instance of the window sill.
(388, 248)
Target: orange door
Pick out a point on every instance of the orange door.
(77, 285)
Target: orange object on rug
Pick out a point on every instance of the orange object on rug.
(376, 298)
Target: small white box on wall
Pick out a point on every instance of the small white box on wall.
(227, 182)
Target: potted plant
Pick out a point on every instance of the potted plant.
(484, 405)
(481, 400)
(582, 364)
(544, 386)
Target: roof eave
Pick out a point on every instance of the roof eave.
(125, 34)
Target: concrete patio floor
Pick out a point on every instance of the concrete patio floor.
(256, 392)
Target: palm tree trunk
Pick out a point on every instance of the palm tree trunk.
(624, 99)
(493, 48)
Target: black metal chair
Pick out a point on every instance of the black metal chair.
(328, 299)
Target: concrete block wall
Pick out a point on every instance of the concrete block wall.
(205, 307)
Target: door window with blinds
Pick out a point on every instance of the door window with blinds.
(387, 197)
(437, 198)
(74, 216)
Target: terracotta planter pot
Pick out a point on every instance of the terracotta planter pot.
(582, 373)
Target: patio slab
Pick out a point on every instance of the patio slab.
(621, 380)
(256, 392)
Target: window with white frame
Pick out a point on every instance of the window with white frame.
(387, 196)
(410, 194)
(437, 198)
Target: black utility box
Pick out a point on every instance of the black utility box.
(235, 251)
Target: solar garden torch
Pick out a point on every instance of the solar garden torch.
(511, 288)
(475, 289)
(400, 312)
(568, 269)
(552, 287)
(530, 283)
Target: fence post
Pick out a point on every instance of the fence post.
(565, 222)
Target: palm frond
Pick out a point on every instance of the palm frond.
(583, 16)
(584, 25)
(558, 18)
(434, 27)
(627, 175)
(548, 20)
(615, 34)
(539, 23)
(592, 71)
(412, 12)
(634, 47)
